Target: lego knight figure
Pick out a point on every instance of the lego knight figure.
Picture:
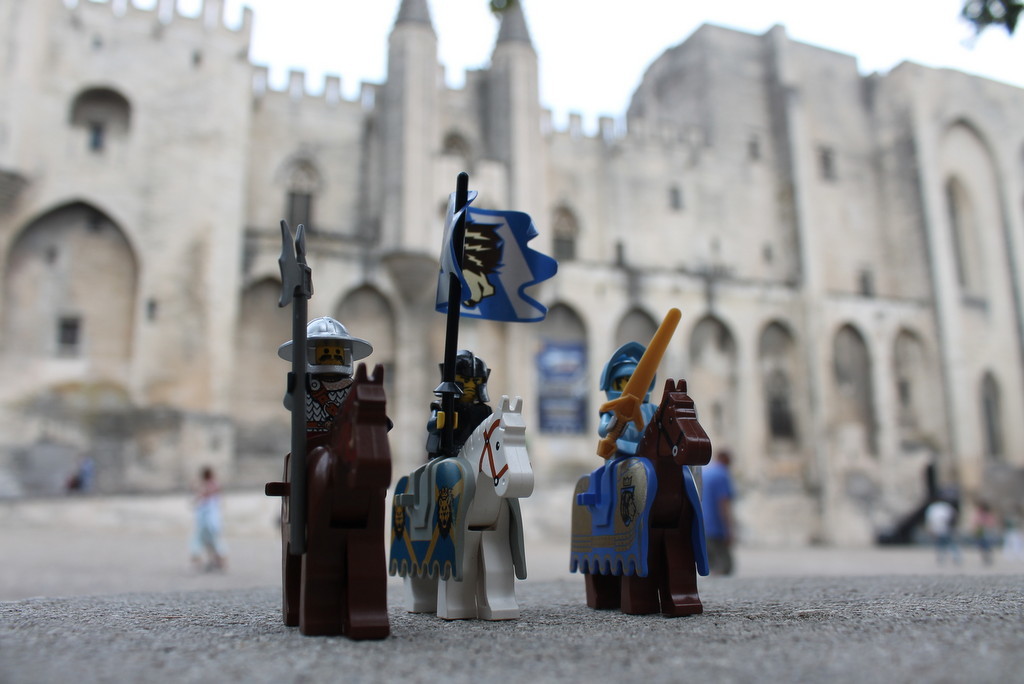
(471, 407)
(330, 356)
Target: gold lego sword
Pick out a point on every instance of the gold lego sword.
(627, 407)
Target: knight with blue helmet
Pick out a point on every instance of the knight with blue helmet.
(614, 377)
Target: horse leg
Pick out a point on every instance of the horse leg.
(366, 609)
(291, 565)
(496, 592)
(456, 600)
(679, 585)
(421, 594)
(603, 591)
(640, 594)
(321, 597)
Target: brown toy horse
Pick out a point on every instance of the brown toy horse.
(669, 529)
(339, 585)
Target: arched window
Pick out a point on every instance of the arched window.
(778, 363)
(259, 375)
(964, 229)
(565, 229)
(455, 145)
(635, 326)
(714, 359)
(70, 284)
(103, 114)
(854, 389)
(367, 314)
(303, 184)
(992, 415)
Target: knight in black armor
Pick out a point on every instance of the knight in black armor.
(471, 407)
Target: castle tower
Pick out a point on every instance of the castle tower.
(513, 134)
(408, 131)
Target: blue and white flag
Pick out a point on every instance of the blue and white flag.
(497, 265)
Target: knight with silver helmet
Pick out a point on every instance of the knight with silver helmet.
(330, 355)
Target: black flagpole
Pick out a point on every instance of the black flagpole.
(448, 390)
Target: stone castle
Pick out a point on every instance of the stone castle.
(845, 250)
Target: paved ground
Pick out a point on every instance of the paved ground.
(101, 590)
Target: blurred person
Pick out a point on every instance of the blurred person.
(940, 520)
(1013, 537)
(81, 480)
(206, 539)
(986, 530)
(716, 501)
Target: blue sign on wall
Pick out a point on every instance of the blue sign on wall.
(562, 387)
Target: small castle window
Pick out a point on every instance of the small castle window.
(300, 208)
(827, 163)
(69, 332)
(103, 115)
(303, 183)
(97, 136)
(566, 230)
(867, 282)
(753, 148)
(675, 198)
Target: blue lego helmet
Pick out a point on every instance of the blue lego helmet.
(622, 364)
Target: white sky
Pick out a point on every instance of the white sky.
(592, 53)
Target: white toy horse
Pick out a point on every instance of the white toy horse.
(457, 531)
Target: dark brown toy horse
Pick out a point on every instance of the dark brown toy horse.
(675, 546)
(339, 585)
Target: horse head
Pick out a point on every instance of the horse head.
(498, 450)
(359, 433)
(674, 431)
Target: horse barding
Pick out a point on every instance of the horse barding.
(457, 529)
(637, 526)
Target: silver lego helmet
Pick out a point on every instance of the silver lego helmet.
(329, 347)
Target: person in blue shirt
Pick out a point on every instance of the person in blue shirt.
(716, 501)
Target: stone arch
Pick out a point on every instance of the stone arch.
(963, 224)
(563, 375)
(565, 230)
(918, 408)
(103, 113)
(992, 417)
(855, 400)
(366, 313)
(973, 206)
(456, 145)
(780, 381)
(636, 326)
(714, 378)
(70, 286)
(259, 374)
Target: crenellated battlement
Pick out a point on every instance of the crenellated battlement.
(296, 89)
(608, 129)
(209, 19)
